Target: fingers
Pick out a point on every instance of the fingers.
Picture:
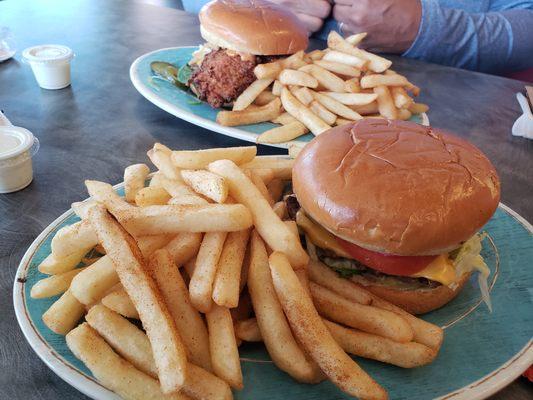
(315, 8)
(311, 23)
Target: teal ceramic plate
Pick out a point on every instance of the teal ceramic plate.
(482, 351)
(185, 105)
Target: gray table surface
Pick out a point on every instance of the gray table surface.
(100, 124)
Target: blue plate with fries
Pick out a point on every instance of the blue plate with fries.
(184, 104)
(482, 352)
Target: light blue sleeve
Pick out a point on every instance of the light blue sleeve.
(496, 41)
(193, 6)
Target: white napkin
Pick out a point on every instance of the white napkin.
(523, 126)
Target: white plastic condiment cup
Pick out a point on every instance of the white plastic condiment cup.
(50, 64)
(17, 146)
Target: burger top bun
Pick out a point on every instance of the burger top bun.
(252, 26)
(396, 187)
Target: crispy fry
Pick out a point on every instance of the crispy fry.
(336, 106)
(267, 223)
(206, 183)
(356, 38)
(161, 159)
(151, 243)
(250, 93)
(274, 328)
(375, 80)
(302, 113)
(248, 330)
(375, 62)
(105, 194)
(250, 116)
(322, 112)
(404, 114)
(81, 208)
(400, 97)
(198, 159)
(352, 99)
(226, 288)
(169, 351)
(280, 166)
(352, 85)
(189, 323)
(303, 94)
(326, 277)
(285, 118)
(184, 246)
(155, 180)
(299, 78)
(363, 317)
(134, 177)
(264, 98)
(345, 59)
(325, 78)
(367, 109)
(53, 285)
(385, 104)
(258, 182)
(276, 88)
(294, 61)
(52, 265)
(201, 284)
(315, 337)
(294, 149)
(275, 188)
(151, 196)
(338, 68)
(111, 370)
(94, 281)
(283, 133)
(154, 220)
(223, 346)
(405, 355)
(119, 301)
(64, 314)
(280, 208)
(418, 108)
(315, 55)
(77, 238)
(269, 70)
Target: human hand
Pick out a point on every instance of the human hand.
(311, 13)
(392, 25)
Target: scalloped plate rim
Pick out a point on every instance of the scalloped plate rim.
(480, 389)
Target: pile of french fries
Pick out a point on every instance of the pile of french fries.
(313, 92)
(205, 257)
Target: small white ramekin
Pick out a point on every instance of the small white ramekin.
(50, 64)
(17, 146)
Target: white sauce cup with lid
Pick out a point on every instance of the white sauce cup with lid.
(17, 146)
(50, 64)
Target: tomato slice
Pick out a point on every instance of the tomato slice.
(387, 263)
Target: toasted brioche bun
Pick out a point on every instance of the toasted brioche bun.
(418, 301)
(252, 26)
(396, 187)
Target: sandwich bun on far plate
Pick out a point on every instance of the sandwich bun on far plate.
(239, 35)
(396, 207)
(252, 26)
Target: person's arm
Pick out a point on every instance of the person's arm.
(489, 42)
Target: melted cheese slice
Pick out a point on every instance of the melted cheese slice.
(440, 270)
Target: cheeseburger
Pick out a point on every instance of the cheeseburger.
(239, 35)
(396, 207)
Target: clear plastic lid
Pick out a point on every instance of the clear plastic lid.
(47, 53)
(16, 143)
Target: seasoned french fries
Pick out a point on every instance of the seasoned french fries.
(154, 220)
(311, 332)
(53, 285)
(119, 301)
(300, 78)
(134, 177)
(250, 94)
(151, 196)
(64, 314)
(267, 223)
(169, 351)
(94, 281)
(206, 183)
(248, 330)
(284, 133)
(386, 105)
(299, 111)
(250, 115)
(199, 159)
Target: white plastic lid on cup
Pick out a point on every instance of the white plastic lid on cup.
(50, 64)
(17, 146)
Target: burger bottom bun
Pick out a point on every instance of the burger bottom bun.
(418, 301)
